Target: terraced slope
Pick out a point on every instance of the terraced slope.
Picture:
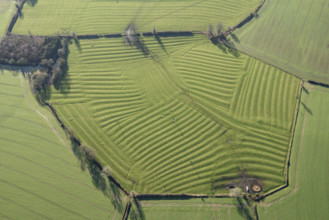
(293, 35)
(99, 17)
(171, 121)
(39, 176)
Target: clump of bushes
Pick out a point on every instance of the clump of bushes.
(89, 152)
(39, 81)
(107, 171)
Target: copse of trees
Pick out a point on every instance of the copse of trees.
(31, 50)
(220, 38)
(21, 50)
(49, 53)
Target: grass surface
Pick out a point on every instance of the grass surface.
(99, 17)
(308, 195)
(185, 118)
(39, 176)
(293, 35)
(7, 9)
(211, 208)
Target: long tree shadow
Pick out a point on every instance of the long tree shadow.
(307, 108)
(136, 211)
(99, 178)
(305, 90)
(243, 208)
(135, 39)
(76, 42)
(158, 39)
(19, 12)
(235, 37)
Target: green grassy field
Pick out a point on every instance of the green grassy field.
(39, 176)
(187, 118)
(6, 11)
(211, 208)
(307, 197)
(99, 17)
(292, 35)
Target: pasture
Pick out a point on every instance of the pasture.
(194, 209)
(308, 174)
(293, 35)
(184, 118)
(39, 176)
(99, 17)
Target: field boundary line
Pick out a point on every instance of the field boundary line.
(187, 205)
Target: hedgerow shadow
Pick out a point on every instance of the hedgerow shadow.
(62, 82)
(243, 208)
(86, 156)
(158, 39)
(19, 12)
(136, 211)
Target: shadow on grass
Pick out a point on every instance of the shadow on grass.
(158, 39)
(243, 208)
(76, 42)
(307, 108)
(136, 211)
(19, 12)
(235, 38)
(135, 39)
(32, 3)
(305, 90)
(100, 181)
(225, 45)
(62, 83)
